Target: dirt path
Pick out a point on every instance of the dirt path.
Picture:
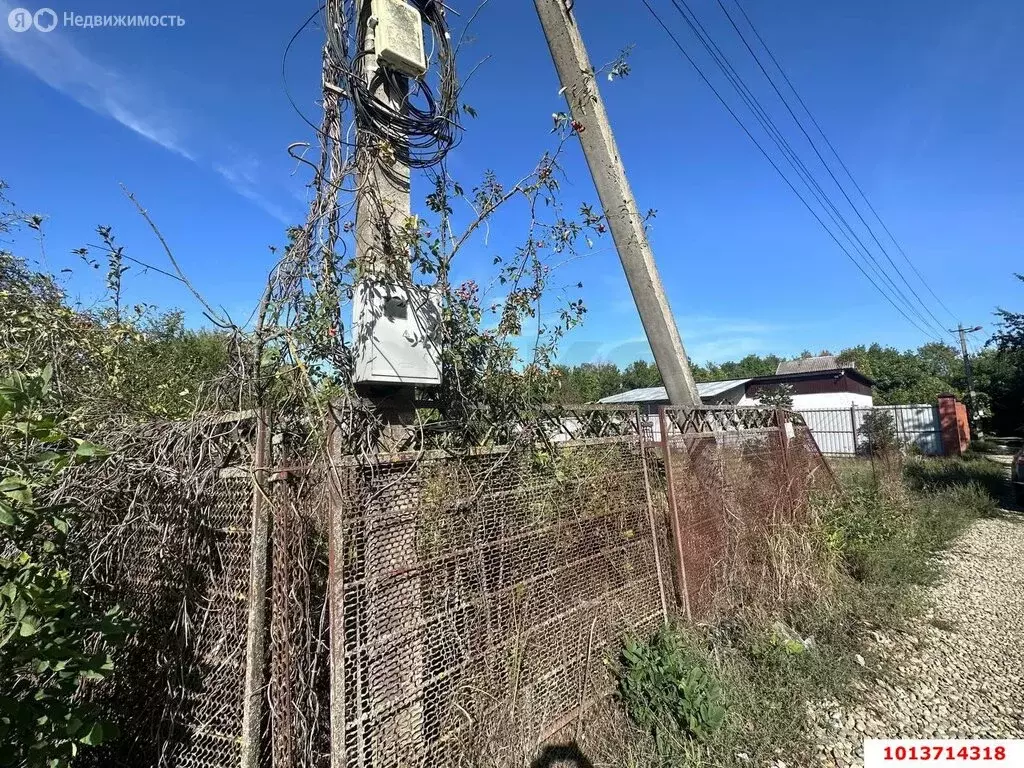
(958, 670)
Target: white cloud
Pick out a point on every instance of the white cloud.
(707, 338)
(53, 58)
(242, 176)
(727, 348)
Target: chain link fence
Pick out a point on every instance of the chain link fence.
(168, 538)
(482, 594)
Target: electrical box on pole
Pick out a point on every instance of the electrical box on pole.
(396, 333)
(399, 37)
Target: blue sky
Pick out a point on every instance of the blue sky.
(923, 101)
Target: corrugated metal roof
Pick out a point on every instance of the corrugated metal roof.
(712, 388)
(658, 394)
(644, 395)
(811, 364)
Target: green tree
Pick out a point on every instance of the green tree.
(909, 376)
(640, 374)
(779, 396)
(1010, 335)
(999, 373)
(749, 367)
(105, 363)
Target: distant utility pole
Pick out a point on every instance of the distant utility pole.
(620, 208)
(971, 411)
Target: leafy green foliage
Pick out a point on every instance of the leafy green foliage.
(935, 475)
(109, 361)
(770, 666)
(1010, 334)
(999, 373)
(746, 368)
(886, 533)
(53, 639)
(913, 376)
(669, 691)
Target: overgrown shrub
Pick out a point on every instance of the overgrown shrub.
(853, 567)
(887, 531)
(930, 474)
(53, 640)
(878, 435)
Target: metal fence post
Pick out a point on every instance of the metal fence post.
(782, 420)
(853, 426)
(338, 496)
(650, 513)
(256, 625)
(673, 513)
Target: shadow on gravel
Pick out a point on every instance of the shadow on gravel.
(1009, 509)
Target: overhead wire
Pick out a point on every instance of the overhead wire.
(792, 157)
(827, 167)
(423, 127)
(774, 164)
(769, 126)
(839, 159)
(284, 66)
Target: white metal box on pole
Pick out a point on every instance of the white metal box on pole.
(396, 334)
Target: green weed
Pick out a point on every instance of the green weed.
(737, 692)
(670, 691)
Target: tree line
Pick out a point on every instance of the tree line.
(901, 376)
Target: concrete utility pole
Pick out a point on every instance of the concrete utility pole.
(620, 208)
(392, 605)
(382, 208)
(971, 413)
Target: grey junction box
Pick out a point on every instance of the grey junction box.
(398, 37)
(397, 333)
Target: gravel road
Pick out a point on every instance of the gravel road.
(956, 672)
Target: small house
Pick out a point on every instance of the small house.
(812, 382)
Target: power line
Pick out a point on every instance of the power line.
(835, 153)
(792, 157)
(796, 163)
(778, 170)
(817, 152)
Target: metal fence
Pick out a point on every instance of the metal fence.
(837, 430)
(421, 608)
(734, 477)
(170, 541)
(480, 595)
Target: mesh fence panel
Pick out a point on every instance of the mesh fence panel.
(176, 558)
(477, 596)
(736, 475)
(298, 694)
(481, 595)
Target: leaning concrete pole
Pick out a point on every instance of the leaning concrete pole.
(620, 209)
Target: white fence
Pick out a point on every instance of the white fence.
(837, 430)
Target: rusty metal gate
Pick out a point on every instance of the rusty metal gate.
(732, 474)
